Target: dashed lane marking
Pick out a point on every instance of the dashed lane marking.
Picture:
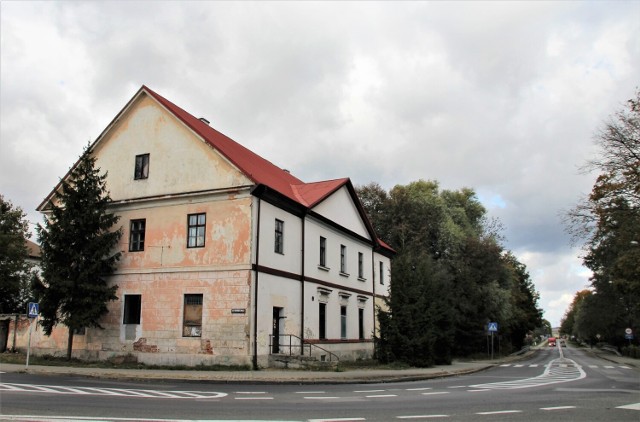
(381, 395)
(499, 412)
(422, 416)
(419, 389)
(435, 393)
(634, 406)
(558, 408)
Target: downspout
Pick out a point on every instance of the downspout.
(255, 294)
(373, 277)
(302, 281)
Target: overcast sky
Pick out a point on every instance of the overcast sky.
(501, 97)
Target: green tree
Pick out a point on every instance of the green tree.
(78, 251)
(608, 222)
(567, 323)
(447, 248)
(526, 315)
(15, 270)
(417, 328)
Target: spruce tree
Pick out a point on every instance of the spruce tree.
(79, 250)
(15, 270)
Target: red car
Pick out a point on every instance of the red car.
(552, 341)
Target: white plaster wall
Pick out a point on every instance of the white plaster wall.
(335, 300)
(290, 259)
(280, 292)
(179, 160)
(382, 289)
(339, 207)
(313, 231)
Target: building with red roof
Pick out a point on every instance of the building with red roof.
(226, 257)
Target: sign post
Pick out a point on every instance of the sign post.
(492, 327)
(33, 309)
(628, 334)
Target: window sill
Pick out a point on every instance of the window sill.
(362, 279)
(347, 275)
(323, 268)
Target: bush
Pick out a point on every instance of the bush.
(631, 351)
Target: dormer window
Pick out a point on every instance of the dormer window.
(142, 167)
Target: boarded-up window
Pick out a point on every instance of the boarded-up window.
(192, 326)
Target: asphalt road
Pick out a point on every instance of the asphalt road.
(554, 384)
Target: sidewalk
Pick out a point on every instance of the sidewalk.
(290, 376)
(612, 357)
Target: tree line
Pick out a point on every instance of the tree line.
(607, 222)
(451, 276)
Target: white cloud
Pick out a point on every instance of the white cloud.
(503, 97)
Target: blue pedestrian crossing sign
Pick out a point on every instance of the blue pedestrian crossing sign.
(33, 309)
(492, 327)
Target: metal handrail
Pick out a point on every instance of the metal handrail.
(301, 344)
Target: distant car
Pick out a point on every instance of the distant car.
(552, 342)
(563, 343)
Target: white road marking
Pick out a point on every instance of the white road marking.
(479, 390)
(434, 393)
(624, 367)
(419, 389)
(32, 418)
(634, 406)
(310, 392)
(499, 412)
(505, 365)
(321, 398)
(609, 367)
(458, 386)
(381, 395)
(422, 416)
(593, 366)
(518, 366)
(368, 391)
(558, 408)
(55, 389)
(534, 365)
(557, 371)
(337, 420)
(251, 392)
(253, 398)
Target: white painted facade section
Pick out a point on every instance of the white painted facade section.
(340, 208)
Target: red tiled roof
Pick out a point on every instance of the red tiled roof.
(255, 167)
(258, 169)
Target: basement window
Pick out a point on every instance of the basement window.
(192, 321)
